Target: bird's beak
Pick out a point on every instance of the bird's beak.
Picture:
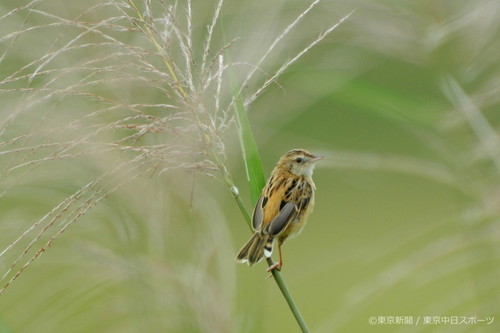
(317, 158)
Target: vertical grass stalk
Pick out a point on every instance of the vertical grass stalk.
(255, 176)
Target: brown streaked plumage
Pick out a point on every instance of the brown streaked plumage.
(283, 207)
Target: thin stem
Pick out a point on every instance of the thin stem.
(288, 297)
(278, 277)
(256, 181)
(241, 205)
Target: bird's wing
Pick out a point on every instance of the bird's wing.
(286, 214)
(258, 213)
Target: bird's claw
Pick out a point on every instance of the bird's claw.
(274, 266)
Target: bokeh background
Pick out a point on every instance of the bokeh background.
(402, 98)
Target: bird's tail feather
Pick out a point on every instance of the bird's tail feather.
(255, 249)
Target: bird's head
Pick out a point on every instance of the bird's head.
(299, 162)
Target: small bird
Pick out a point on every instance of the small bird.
(282, 208)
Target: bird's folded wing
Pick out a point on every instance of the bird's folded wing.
(258, 214)
(287, 213)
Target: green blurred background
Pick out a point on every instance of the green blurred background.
(403, 99)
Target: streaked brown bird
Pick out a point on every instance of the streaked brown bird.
(282, 208)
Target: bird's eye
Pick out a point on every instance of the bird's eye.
(299, 160)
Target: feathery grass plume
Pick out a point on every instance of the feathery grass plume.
(80, 111)
(107, 96)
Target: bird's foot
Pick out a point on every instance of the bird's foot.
(274, 266)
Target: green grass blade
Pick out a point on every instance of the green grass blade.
(253, 163)
(251, 156)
